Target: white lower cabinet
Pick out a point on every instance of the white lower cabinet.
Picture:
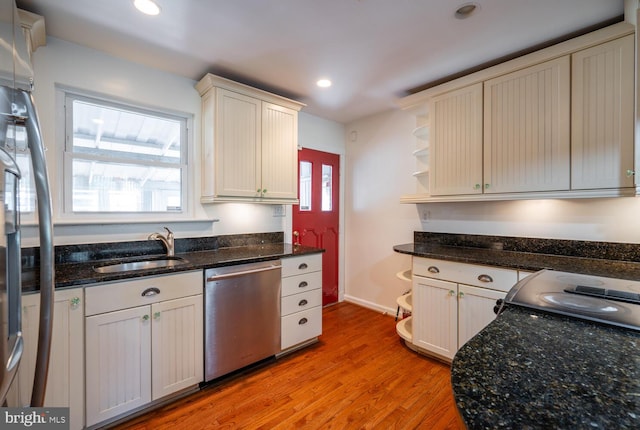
(144, 341)
(301, 303)
(452, 302)
(65, 386)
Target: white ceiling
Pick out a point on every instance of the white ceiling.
(373, 50)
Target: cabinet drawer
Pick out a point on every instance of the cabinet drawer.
(127, 294)
(301, 301)
(481, 276)
(301, 283)
(301, 326)
(303, 264)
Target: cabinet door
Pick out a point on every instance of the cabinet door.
(526, 129)
(456, 142)
(118, 363)
(279, 152)
(237, 145)
(475, 310)
(602, 115)
(435, 316)
(177, 344)
(65, 381)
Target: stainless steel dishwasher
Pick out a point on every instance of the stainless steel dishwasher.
(242, 316)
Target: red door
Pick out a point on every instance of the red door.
(315, 219)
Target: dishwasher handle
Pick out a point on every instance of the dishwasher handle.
(241, 273)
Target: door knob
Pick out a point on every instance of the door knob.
(296, 237)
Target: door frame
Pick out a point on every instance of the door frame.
(288, 222)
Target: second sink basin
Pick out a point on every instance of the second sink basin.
(140, 265)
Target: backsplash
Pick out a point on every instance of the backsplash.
(569, 248)
(110, 250)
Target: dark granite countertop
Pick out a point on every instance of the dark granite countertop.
(533, 370)
(76, 274)
(531, 261)
(75, 263)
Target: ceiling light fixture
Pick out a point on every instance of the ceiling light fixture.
(466, 10)
(323, 83)
(148, 7)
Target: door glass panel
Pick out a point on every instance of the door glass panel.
(305, 185)
(327, 188)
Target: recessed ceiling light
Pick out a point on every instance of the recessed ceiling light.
(323, 83)
(148, 7)
(466, 10)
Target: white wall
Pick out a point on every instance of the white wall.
(71, 65)
(379, 166)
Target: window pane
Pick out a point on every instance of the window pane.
(123, 159)
(113, 132)
(100, 186)
(305, 185)
(327, 188)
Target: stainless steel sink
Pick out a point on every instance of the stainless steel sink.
(140, 265)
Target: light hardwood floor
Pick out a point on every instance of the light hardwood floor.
(359, 376)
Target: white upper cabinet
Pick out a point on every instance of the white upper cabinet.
(279, 152)
(555, 123)
(526, 129)
(602, 115)
(456, 141)
(237, 152)
(249, 144)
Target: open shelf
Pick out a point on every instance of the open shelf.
(405, 301)
(404, 329)
(421, 132)
(404, 275)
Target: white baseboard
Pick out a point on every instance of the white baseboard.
(370, 305)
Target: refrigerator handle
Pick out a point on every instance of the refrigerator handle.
(45, 225)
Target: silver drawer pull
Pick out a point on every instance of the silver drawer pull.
(150, 292)
(485, 278)
(433, 269)
(302, 266)
(303, 284)
(303, 321)
(303, 302)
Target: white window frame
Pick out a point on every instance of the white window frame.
(65, 214)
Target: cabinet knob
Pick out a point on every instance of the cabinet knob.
(433, 269)
(630, 173)
(156, 315)
(145, 317)
(75, 302)
(461, 294)
(264, 191)
(452, 293)
(303, 266)
(259, 190)
(303, 302)
(303, 321)
(485, 278)
(476, 187)
(303, 284)
(486, 186)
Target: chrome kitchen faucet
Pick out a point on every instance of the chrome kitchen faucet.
(168, 241)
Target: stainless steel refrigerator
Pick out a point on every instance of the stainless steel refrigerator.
(20, 137)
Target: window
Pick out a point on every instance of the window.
(123, 159)
(305, 185)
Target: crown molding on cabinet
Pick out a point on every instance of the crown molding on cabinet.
(209, 81)
(34, 30)
(417, 101)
